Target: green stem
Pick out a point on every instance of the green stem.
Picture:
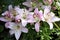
(57, 26)
(37, 33)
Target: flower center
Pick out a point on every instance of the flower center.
(8, 18)
(14, 13)
(49, 16)
(18, 21)
(17, 27)
(36, 18)
(24, 16)
(33, 4)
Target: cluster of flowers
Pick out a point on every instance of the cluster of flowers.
(16, 18)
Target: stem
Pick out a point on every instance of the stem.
(57, 26)
(38, 33)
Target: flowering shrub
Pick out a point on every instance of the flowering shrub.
(30, 20)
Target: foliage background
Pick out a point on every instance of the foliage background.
(44, 34)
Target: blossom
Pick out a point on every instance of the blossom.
(50, 17)
(16, 28)
(6, 16)
(32, 4)
(38, 16)
(9, 14)
(24, 16)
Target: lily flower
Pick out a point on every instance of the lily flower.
(32, 4)
(24, 16)
(10, 14)
(50, 17)
(38, 16)
(7, 16)
(16, 28)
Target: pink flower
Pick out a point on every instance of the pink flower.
(50, 17)
(38, 16)
(10, 14)
(24, 16)
(16, 28)
(7, 16)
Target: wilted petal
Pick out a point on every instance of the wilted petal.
(37, 25)
(25, 30)
(51, 25)
(17, 34)
(55, 19)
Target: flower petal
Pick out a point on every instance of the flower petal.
(11, 32)
(18, 10)
(46, 11)
(10, 25)
(36, 11)
(55, 19)
(3, 19)
(25, 30)
(37, 27)
(6, 12)
(51, 25)
(17, 34)
(30, 18)
(41, 16)
(24, 23)
(30, 9)
(10, 7)
(28, 4)
(46, 7)
(17, 17)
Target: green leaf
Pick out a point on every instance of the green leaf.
(1, 28)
